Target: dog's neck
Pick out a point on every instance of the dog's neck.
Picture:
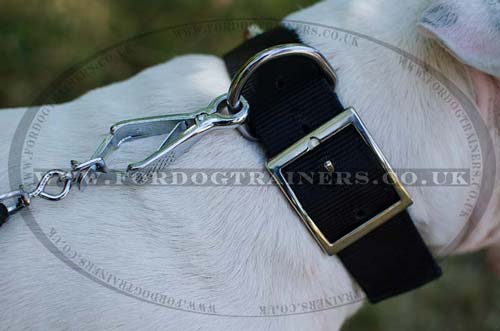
(242, 248)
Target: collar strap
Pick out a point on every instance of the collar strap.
(346, 202)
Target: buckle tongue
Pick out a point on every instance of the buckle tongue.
(278, 166)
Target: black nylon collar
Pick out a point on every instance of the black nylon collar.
(290, 98)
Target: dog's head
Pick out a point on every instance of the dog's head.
(470, 31)
(379, 76)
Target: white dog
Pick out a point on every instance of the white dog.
(240, 250)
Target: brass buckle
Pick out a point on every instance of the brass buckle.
(311, 141)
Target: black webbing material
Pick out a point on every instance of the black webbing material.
(289, 98)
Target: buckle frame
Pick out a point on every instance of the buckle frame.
(310, 141)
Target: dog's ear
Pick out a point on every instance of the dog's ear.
(470, 30)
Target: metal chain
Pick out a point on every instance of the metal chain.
(181, 129)
(79, 175)
(225, 112)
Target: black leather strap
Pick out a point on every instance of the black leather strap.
(289, 98)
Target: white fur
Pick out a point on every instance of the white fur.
(470, 30)
(236, 247)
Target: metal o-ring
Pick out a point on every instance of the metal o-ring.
(267, 55)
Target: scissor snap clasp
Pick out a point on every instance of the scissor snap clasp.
(181, 130)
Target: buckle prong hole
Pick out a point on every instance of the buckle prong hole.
(360, 213)
(280, 84)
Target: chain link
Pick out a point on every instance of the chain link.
(79, 172)
(181, 131)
